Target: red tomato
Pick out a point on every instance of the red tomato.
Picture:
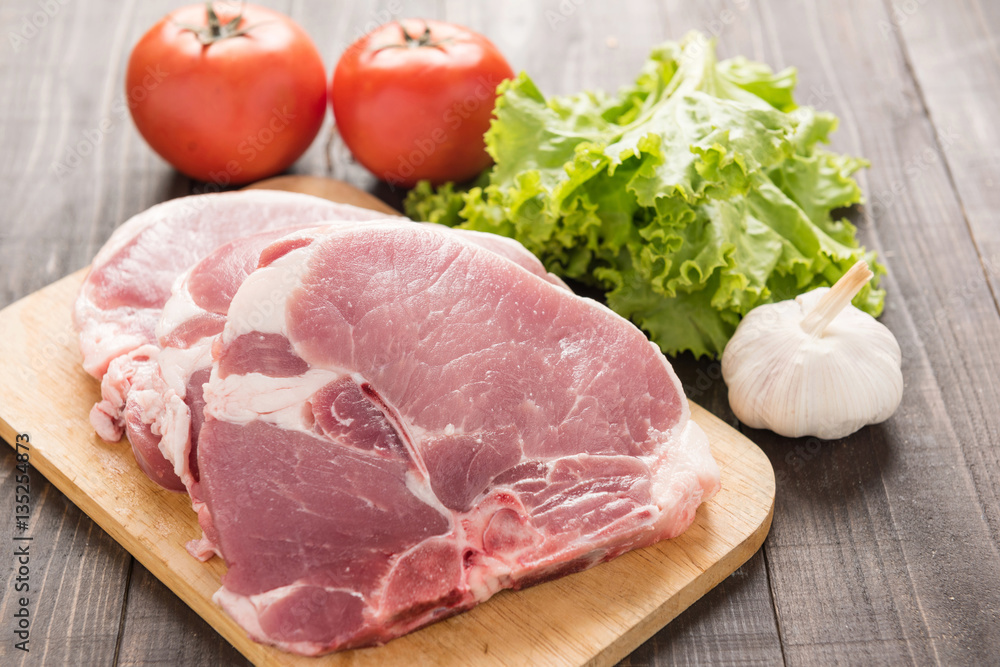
(413, 99)
(229, 95)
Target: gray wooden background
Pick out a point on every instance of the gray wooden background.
(884, 545)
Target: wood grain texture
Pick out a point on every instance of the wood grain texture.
(732, 625)
(960, 88)
(873, 535)
(158, 618)
(593, 617)
(77, 578)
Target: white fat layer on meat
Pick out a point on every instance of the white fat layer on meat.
(179, 309)
(241, 399)
(688, 456)
(177, 365)
(173, 422)
(260, 303)
(150, 404)
(174, 429)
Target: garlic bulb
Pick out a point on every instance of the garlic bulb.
(815, 365)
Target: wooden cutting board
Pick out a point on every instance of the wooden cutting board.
(595, 617)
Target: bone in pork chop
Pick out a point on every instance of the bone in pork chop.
(398, 425)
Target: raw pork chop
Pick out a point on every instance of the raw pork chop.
(398, 425)
(163, 407)
(130, 280)
(131, 276)
(163, 411)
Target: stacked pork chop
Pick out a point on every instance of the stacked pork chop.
(380, 423)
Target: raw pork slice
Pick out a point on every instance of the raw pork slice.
(130, 280)
(398, 425)
(163, 412)
(131, 276)
(163, 406)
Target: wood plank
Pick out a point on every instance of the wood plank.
(882, 546)
(953, 50)
(76, 579)
(160, 629)
(954, 54)
(732, 625)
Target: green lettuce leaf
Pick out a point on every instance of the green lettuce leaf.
(692, 196)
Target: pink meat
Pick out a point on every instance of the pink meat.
(130, 280)
(191, 319)
(408, 424)
(131, 276)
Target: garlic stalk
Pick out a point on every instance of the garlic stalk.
(815, 365)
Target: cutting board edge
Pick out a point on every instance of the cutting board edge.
(638, 634)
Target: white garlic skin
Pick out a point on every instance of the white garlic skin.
(796, 384)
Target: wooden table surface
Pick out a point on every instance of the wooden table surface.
(884, 548)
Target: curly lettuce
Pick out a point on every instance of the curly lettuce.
(690, 197)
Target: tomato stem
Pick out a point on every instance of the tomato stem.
(411, 42)
(216, 30)
(415, 42)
